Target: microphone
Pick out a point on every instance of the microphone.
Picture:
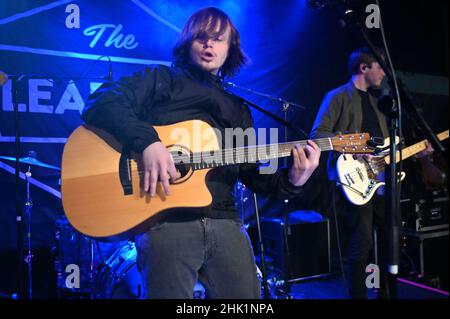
(316, 4)
(110, 68)
(231, 84)
(348, 9)
(3, 78)
(387, 104)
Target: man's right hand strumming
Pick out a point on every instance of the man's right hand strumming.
(158, 166)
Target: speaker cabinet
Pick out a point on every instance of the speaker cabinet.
(307, 253)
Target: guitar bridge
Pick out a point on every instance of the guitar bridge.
(125, 174)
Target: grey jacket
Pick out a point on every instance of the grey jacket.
(341, 112)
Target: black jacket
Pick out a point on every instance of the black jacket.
(162, 95)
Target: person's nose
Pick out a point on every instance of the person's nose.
(208, 43)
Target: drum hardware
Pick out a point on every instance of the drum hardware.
(30, 160)
(29, 256)
(119, 277)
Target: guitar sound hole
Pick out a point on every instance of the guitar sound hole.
(183, 169)
(181, 157)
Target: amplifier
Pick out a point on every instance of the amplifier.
(425, 214)
(309, 247)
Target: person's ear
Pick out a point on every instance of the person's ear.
(363, 67)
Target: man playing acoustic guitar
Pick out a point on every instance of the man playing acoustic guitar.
(207, 244)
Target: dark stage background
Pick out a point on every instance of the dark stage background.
(297, 53)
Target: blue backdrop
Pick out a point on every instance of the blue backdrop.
(296, 53)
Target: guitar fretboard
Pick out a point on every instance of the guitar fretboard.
(251, 154)
(415, 148)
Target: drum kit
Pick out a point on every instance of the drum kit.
(29, 161)
(106, 270)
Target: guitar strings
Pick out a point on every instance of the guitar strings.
(377, 164)
(244, 151)
(239, 152)
(324, 144)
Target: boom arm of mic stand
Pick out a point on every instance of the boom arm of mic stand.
(273, 116)
(422, 124)
(268, 96)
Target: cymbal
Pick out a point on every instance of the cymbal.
(30, 161)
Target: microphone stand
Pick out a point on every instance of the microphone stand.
(392, 192)
(261, 250)
(19, 210)
(20, 216)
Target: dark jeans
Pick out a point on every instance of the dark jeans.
(361, 220)
(172, 256)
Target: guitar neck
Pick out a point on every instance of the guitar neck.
(415, 148)
(252, 154)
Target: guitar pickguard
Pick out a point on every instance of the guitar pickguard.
(357, 185)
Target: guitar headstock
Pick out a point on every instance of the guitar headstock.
(352, 143)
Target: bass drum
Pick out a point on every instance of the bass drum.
(119, 277)
(74, 248)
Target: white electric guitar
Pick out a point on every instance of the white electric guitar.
(361, 177)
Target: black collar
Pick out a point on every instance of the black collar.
(201, 75)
